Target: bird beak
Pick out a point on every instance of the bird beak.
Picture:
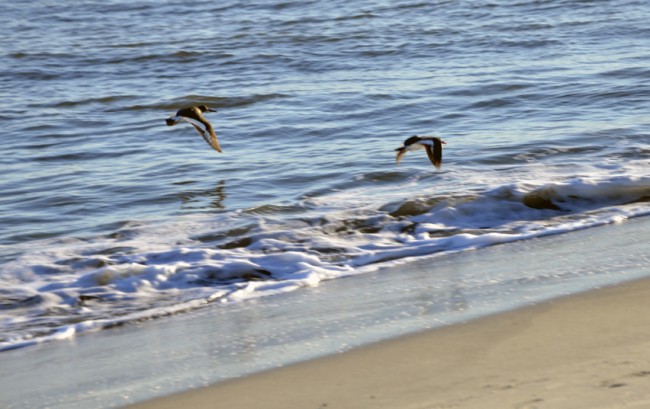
(212, 110)
(444, 142)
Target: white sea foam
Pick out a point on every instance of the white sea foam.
(73, 286)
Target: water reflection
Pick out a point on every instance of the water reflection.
(205, 199)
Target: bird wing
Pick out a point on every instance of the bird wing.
(212, 141)
(199, 124)
(434, 152)
(400, 154)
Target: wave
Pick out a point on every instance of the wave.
(581, 196)
(146, 271)
(213, 101)
(119, 103)
(104, 100)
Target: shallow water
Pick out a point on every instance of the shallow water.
(108, 216)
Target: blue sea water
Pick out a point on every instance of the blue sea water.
(107, 216)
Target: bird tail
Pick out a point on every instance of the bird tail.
(400, 154)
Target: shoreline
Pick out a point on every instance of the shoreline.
(224, 345)
(589, 350)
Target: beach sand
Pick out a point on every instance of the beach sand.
(590, 350)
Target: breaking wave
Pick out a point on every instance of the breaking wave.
(62, 287)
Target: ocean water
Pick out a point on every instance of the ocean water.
(107, 216)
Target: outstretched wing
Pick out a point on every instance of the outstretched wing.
(212, 141)
(434, 152)
(400, 154)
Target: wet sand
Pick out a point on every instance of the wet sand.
(590, 350)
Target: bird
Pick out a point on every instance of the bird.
(194, 115)
(431, 144)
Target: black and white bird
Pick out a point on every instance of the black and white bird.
(194, 116)
(431, 144)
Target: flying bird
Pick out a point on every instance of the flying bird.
(194, 116)
(431, 144)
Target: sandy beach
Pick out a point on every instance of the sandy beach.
(590, 350)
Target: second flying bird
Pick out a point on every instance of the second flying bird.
(431, 144)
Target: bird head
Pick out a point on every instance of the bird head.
(205, 108)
